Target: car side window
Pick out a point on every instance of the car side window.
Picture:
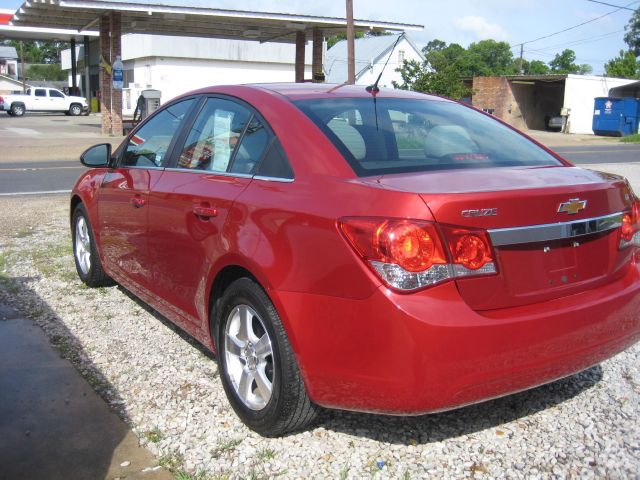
(251, 148)
(275, 163)
(55, 93)
(40, 92)
(214, 136)
(148, 146)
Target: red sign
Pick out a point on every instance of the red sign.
(5, 17)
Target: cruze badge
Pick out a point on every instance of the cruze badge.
(480, 212)
(573, 206)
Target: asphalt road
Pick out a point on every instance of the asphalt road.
(590, 154)
(39, 177)
(53, 176)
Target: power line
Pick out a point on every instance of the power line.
(574, 26)
(610, 5)
(580, 41)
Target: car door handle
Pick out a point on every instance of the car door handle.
(138, 202)
(205, 212)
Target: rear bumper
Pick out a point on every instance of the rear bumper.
(425, 352)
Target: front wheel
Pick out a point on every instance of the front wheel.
(85, 252)
(75, 110)
(259, 371)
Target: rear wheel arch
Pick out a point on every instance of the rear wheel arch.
(225, 277)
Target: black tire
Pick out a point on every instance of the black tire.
(94, 275)
(17, 109)
(289, 408)
(75, 109)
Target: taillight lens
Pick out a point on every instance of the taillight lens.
(470, 251)
(630, 228)
(410, 254)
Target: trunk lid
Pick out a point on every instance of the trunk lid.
(541, 253)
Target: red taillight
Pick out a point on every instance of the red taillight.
(469, 248)
(410, 254)
(630, 228)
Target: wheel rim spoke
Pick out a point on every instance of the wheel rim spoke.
(234, 345)
(265, 387)
(263, 347)
(246, 383)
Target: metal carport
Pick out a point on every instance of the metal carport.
(113, 18)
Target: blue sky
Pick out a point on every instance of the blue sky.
(466, 21)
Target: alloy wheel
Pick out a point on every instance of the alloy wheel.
(249, 357)
(83, 245)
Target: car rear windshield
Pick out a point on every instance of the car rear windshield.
(394, 135)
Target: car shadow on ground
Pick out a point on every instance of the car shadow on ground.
(52, 425)
(439, 426)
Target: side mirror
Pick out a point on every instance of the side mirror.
(97, 156)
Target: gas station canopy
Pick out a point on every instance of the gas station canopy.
(162, 19)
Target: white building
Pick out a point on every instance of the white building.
(8, 62)
(371, 53)
(580, 91)
(175, 65)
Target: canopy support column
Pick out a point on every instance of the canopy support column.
(316, 63)
(301, 40)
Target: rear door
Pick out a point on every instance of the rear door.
(191, 202)
(123, 204)
(39, 100)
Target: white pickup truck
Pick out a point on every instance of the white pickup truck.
(42, 100)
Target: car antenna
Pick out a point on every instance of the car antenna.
(374, 88)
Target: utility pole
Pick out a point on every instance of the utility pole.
(521, 59)
(24, 74)
(351, 62)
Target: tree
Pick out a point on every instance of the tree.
(489, 57)
(38, 52)
(535, 67)
(632, 35)
(46, 72)
(564, 63)
(623, 66)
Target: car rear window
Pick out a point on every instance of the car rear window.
(394, 135)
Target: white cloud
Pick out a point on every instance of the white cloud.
(480, 28)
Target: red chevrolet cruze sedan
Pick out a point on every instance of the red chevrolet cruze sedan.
(379, 251)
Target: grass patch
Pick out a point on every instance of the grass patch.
(24, 232)
(267, 454)
(154, 435)
(182, 475)
(635, 138)
(171, 462)
(225, 447)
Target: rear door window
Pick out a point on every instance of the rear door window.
(40, 92)
(214, 136)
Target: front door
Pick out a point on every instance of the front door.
(123, 205)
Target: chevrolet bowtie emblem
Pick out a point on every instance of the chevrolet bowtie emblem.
(573, 206)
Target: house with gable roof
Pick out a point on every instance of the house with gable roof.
(371, 53)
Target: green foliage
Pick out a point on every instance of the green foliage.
(331, 41)
(564, 63)
(535, 67)
(38, 52)
(624, 65)
(489, 57)
(46, 72)
(635, 138)
(632, 35)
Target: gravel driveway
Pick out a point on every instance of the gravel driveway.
(167, 387)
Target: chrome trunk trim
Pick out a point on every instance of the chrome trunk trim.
(554, 231)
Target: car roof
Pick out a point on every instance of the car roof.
(304, 91)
